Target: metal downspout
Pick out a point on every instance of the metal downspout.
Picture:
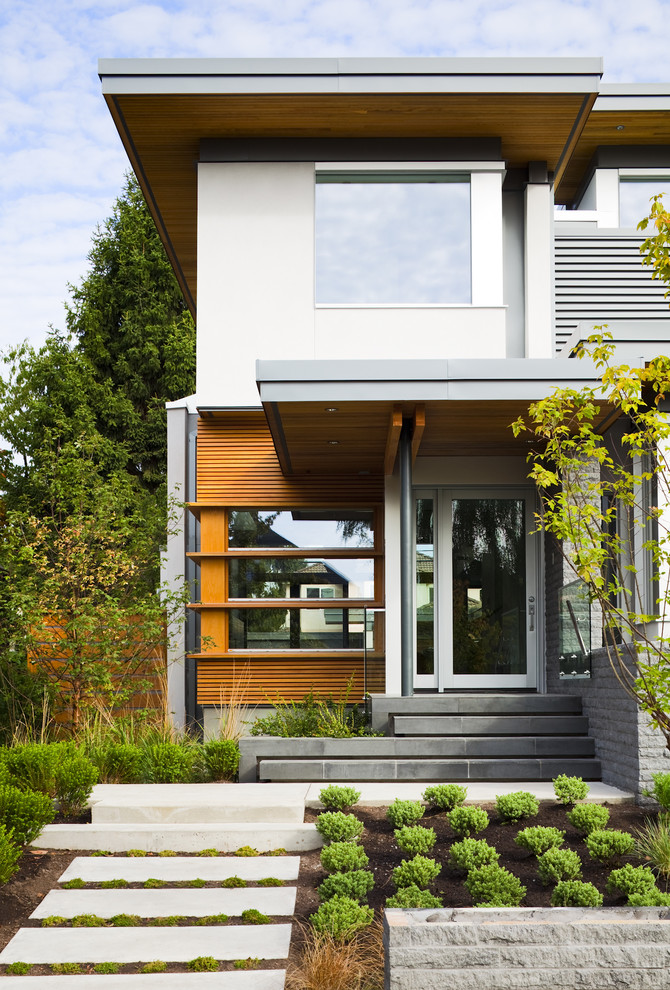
(406, 562)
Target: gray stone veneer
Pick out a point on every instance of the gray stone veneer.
(527, 949)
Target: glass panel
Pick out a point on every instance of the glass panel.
(489, 586)
(574, 629)
(296, 629)
(398, 241)
(275, 528)
(297, 577)
(634, 196)
(425, 587)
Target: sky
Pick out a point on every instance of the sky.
(61, 160)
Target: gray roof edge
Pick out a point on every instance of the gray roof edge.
(635, 89)
(429, 65)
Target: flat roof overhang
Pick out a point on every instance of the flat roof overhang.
(332, 417)
(163, 108)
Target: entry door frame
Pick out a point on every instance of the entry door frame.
(443, 678)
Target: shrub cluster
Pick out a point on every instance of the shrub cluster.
(355, 884)
(420, 870)
(609, 846)
(405, 812)
(539, 838)
(25, 813)
(494, 886)
(468, 820)
(470, 854)
(661, 789)
(413, 897)
(559, 864)
(575, 893)
(343, 857)
(335, 798)
(74, 780)
(341, 917)
(222, 759)
(569, 790)
(587, 818)
(513, 807)
(335, 826)
(10, 854)
(414, 839)
(630, 880)
(446, 797)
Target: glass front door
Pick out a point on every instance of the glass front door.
(475, 589)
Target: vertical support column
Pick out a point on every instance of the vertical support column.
(172, 562)
(406, 562)
(538, 263)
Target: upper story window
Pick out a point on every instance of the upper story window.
(393, 237)
(635, 193)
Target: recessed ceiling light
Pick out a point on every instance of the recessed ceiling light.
(619, 127)
(332, 409)
(333, 442)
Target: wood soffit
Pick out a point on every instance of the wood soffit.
(162, 133)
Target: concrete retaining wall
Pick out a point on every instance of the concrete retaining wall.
(528, 949)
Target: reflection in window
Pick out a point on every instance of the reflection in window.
(300, 528)
(298, 577)
(296, 629)
(393, 239)
(634, 197)
(425, 587)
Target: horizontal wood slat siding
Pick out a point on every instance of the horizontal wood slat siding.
(237, 466)
(260, 680)
(601, 278)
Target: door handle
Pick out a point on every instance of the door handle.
(531, 615)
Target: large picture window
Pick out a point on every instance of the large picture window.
(393, 238)
(635, 195)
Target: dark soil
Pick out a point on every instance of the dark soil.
(40, 870)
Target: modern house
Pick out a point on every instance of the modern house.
(389, 260)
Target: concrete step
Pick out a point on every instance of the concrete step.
(257, 979)
(93, 945)
(199, 804)
(496, 725)
(383, 706)
(182, 838)
(434, 769)
(173, 869)
(156, 903)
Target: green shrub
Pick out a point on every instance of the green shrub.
(539, 838)
(335, 798)
(559, 864)
(250, 963)
(513, 807)
(167, 921)
(608, 846)
(569, 790)
(113, 884)
(124, 920)
(88, 921)
(139, 853)
(270, 882)
(588, 817)
(276, 852)
(101, 852)
(314, 716)
(661, 789)
(167, 852)
(168, 763)
(254, 917)
(413, 897)
(413, 839)
(76, 883)
(446, 797)
(630, 880)
(420, 871)
(355, 884)
(207, 852)
(246, 851)
(222, 759)
(18, 968)
(405, 812)
(335, 826)
(106, 967)
(25, 813)
(575, 893)
(66, 969)
(157, 966)
(33, 766)
(341, 918)
(53, 921)
(233, 882)
(653, 898)
(212, 919)
(118, 763)
(152, 883)
(10, 854)
(198, 882)
(468, 820)
(469, 854)
(343, 857)
(203, 964)
(74, 780)
(652, 845)
(493, 886)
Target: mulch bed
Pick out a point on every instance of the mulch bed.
(40, 870)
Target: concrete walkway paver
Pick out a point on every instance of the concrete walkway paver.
(380, 795)
(272, 901)
(95, 869)
(227, 838)
(199, 804)
(266, 979)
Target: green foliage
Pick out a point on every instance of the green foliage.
(630, 880)
(270, 882)
(539, 838)
(413, 897)
(336, 798)
(202, 964)
(276, 852)
(138, 853)
(250, 963)
(314, 716)
(652, 898)
(233, 882)
(343, 857)
(167, 921)
(106, 968)
(661, 789)
(468, 820)
(212, 919)
(413, 839)
(335, 826)
(246, 851)
(513, 807)
(118, 763)
(652, 844)
(76, 883)
(101, 852)
(559, 864)
(53, 921)
(405, 812)
(493, 886)
(608, 846)
(254, 917)
(153, 882)
(88, 921)
(75, 778)
(575, 893)
(18, 968)
(167, 852)
(420, 870)
(125, 920)
(198, 882)
(157, 966)
(207, 852)
(117, 883)
(446, 797)
(470, 854)
(587, 818)
(33, 766)
(169, 763)
(66, 969)
(222, 758)
(569, 790)
(341, 917)
(355, 884)
(25, 813)
(10, 854)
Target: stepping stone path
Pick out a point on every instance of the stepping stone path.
(171, 944)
